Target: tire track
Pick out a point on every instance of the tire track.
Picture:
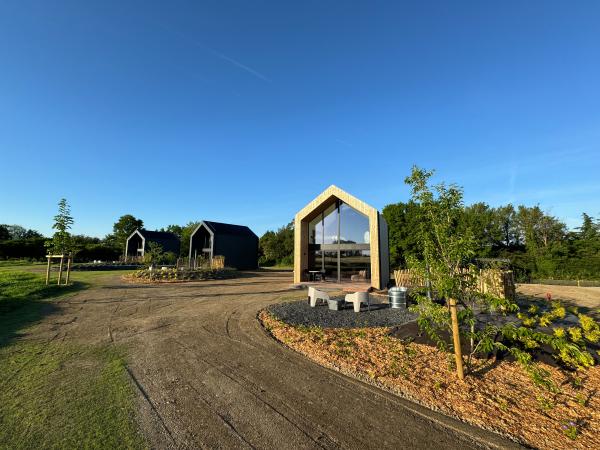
(243, 384)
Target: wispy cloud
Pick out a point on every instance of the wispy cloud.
(224, 57)
(344, 143)
(218, 54)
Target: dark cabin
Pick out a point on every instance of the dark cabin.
(137, 242)
(237, 243)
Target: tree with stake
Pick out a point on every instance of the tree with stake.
(61, 242)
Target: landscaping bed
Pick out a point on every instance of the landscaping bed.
(179, 275)
(379, 315)
(499, 396)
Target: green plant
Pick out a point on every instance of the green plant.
(545, 403)
(569, 428)
(61, 242)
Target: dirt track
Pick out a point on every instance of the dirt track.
(209, 376)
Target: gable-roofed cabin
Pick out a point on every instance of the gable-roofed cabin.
(237, 243)
(137, 242)
(341, 238)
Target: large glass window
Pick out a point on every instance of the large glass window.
(315, 230)
(339, 243)
(354, 226)
(330, 225)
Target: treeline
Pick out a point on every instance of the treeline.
(537, 244)
(17, 242)
(276, 248)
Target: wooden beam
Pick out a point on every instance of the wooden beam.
(69, 259)
(60, 268)
(48, 271)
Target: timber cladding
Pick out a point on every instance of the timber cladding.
(310, 211)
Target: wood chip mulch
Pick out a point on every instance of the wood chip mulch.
(498, 396)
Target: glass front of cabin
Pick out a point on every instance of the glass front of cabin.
(339, 243)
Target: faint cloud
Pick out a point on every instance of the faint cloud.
(218, 54)
(344, 143)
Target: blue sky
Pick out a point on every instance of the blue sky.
(243, 111)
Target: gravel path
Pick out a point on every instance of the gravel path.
(300, 313)
(209, 376)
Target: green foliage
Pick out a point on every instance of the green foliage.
(277, 247)
(537, 244)
(33, 248)
(402, 220)
(61, 242)
(122, 229)
(17, 232)
(154, 254)
(186, 232)
(569, 428)
(447, 247)
(174, 274)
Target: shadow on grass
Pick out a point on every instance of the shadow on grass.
(24, 300)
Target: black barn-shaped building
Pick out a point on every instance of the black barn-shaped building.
(137, 242)
(237, 243)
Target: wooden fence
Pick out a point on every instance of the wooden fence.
(496, 282)
(200, 262)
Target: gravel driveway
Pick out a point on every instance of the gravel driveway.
(209, 376)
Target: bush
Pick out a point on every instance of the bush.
(171, 275)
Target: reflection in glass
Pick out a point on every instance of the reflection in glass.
(354, 226)
(330, 225)
(339, 243)
(355, 263)
(315, 230)
(330, 259)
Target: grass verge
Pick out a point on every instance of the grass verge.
(56, 394)
(65, 396)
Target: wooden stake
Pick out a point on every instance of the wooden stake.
(456, 337)
(69, 258)
(60, 270)
(48, 272)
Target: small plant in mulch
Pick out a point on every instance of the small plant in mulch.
(499, 397)
(570, 430)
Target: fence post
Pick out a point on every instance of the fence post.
(48, 272)
(456, 337)
(69, 258)
(60, 267)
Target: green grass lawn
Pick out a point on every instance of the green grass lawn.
(58, 395)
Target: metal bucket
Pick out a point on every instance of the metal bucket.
(397, 297)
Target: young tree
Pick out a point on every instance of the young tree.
(448, 248)
(61, 242)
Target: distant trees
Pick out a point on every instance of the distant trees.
(537, 243)
(277, 247)
(122, 228)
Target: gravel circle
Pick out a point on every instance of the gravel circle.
(300, 313)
